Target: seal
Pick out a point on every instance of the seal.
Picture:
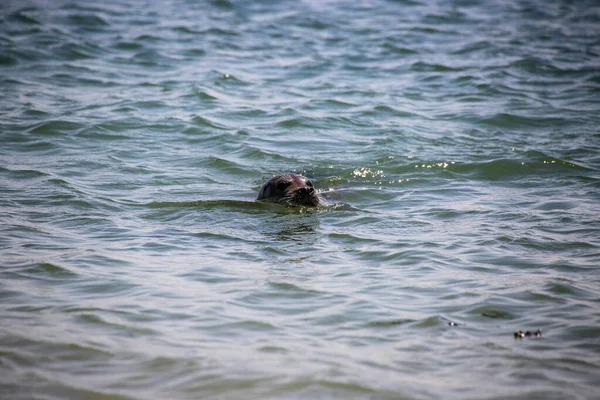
(292, 189)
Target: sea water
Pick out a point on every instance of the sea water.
(456, 144)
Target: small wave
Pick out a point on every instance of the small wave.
(570, 289)
(153, 39)
(246, 206)
(510, 168)
(226, 79)
(149, 105)
(88, 21)
(104, 320)
(23, 174)
(23, 17)
(205, 122)
(387, 110)
(211, 31)
(224, 4)
(152, 58)
(77, 51)
(55, 128)
(48, 271)
(401, 50)
(535, 66)
(295, 123)
(205, 96)
(127, 45)
(99, 133)
(556, 205)
(332, 103)
(197, 52)
(390, 323)
(15, 56)
(421, 66)
(197, 203)
(490, 312)
(506, 120)
(474, 47)
(8, 60)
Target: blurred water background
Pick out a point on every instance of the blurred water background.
(458, 146)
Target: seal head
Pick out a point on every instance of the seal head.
(292, 189)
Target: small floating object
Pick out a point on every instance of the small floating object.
(450, 322)
(520, 334)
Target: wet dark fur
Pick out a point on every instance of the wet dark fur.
(292, 189)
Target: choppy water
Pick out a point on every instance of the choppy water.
(457, 144)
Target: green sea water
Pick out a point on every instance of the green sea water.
(457, 146)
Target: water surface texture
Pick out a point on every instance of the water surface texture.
(457, 144)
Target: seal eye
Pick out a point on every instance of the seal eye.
(281, 186)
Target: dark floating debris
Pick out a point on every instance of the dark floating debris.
(520, 334)
(450, 322)
(491, 315)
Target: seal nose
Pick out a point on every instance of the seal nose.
(306, 195)
(306, 191)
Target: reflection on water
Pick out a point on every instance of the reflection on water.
(300, 227)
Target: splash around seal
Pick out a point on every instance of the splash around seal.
(291, 189)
